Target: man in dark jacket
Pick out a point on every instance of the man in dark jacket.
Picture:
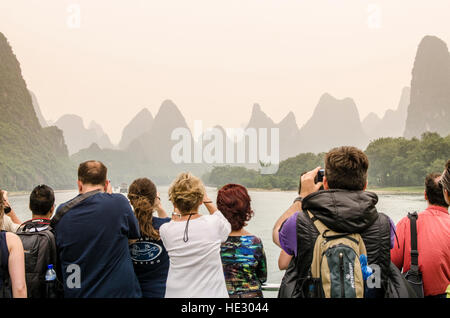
(343, 206)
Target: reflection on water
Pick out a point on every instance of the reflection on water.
(268, 206)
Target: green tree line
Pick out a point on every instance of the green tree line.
(393, 162)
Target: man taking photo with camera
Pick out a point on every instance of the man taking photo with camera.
(344, 207)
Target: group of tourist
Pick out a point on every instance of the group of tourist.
(103, 244)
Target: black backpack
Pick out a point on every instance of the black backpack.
(40, 251)
(396, 284)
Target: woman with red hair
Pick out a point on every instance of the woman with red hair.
(243, 257)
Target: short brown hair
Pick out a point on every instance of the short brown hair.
(346, 168)
(92, 172)
(186, 192)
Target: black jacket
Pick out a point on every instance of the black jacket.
(345, 212)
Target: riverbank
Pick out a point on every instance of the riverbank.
(398, 190)
(385, 191)
(18, 193)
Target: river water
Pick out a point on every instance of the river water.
(268, 207)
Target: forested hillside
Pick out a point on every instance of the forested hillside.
(29, 154)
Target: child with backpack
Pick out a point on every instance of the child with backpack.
(39, 242)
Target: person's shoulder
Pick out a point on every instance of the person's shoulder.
(112, 200)
(214, 217)
(384, 218)
(217, 216)
(118, 197)
(255, 240)
(165, 226)
(290, 222)
(12, 240)
(60, 207)
(404, 221)
(158, 222)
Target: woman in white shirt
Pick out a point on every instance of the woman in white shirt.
(193, 242)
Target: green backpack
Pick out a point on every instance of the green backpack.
(335, 268)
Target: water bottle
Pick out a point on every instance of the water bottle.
(50, 282)
(366, 270)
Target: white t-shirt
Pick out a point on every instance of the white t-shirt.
(195, 269)
(9, 225)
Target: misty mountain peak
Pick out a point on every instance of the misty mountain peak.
(289, 121)
(289, 117)
(70, 119)
(144, 112)
(94, 147)
(432, 43)
(259, 119)
(332, 108)
(96, 127)
(169, 111)
(429, 107)
(256, 108)
(78, 137)
(140, 124)
(335, 122)
(168, 105)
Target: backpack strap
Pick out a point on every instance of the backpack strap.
(319, 225)
(414, 250)
(323, 229)
(69, 205)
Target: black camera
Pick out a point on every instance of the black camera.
(319, 176)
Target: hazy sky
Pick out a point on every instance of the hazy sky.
(215, 58)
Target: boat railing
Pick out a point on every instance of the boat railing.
(270, 287)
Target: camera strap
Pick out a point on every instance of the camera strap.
(69, 205)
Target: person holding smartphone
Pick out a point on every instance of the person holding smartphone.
(10, 220)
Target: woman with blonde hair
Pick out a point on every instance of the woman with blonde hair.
(193, 242)
(149, 256)
(12, 261)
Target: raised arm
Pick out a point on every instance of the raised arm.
(295, 207)
(308, 186)
(12, 215)
(158, 207)
(209, 204)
